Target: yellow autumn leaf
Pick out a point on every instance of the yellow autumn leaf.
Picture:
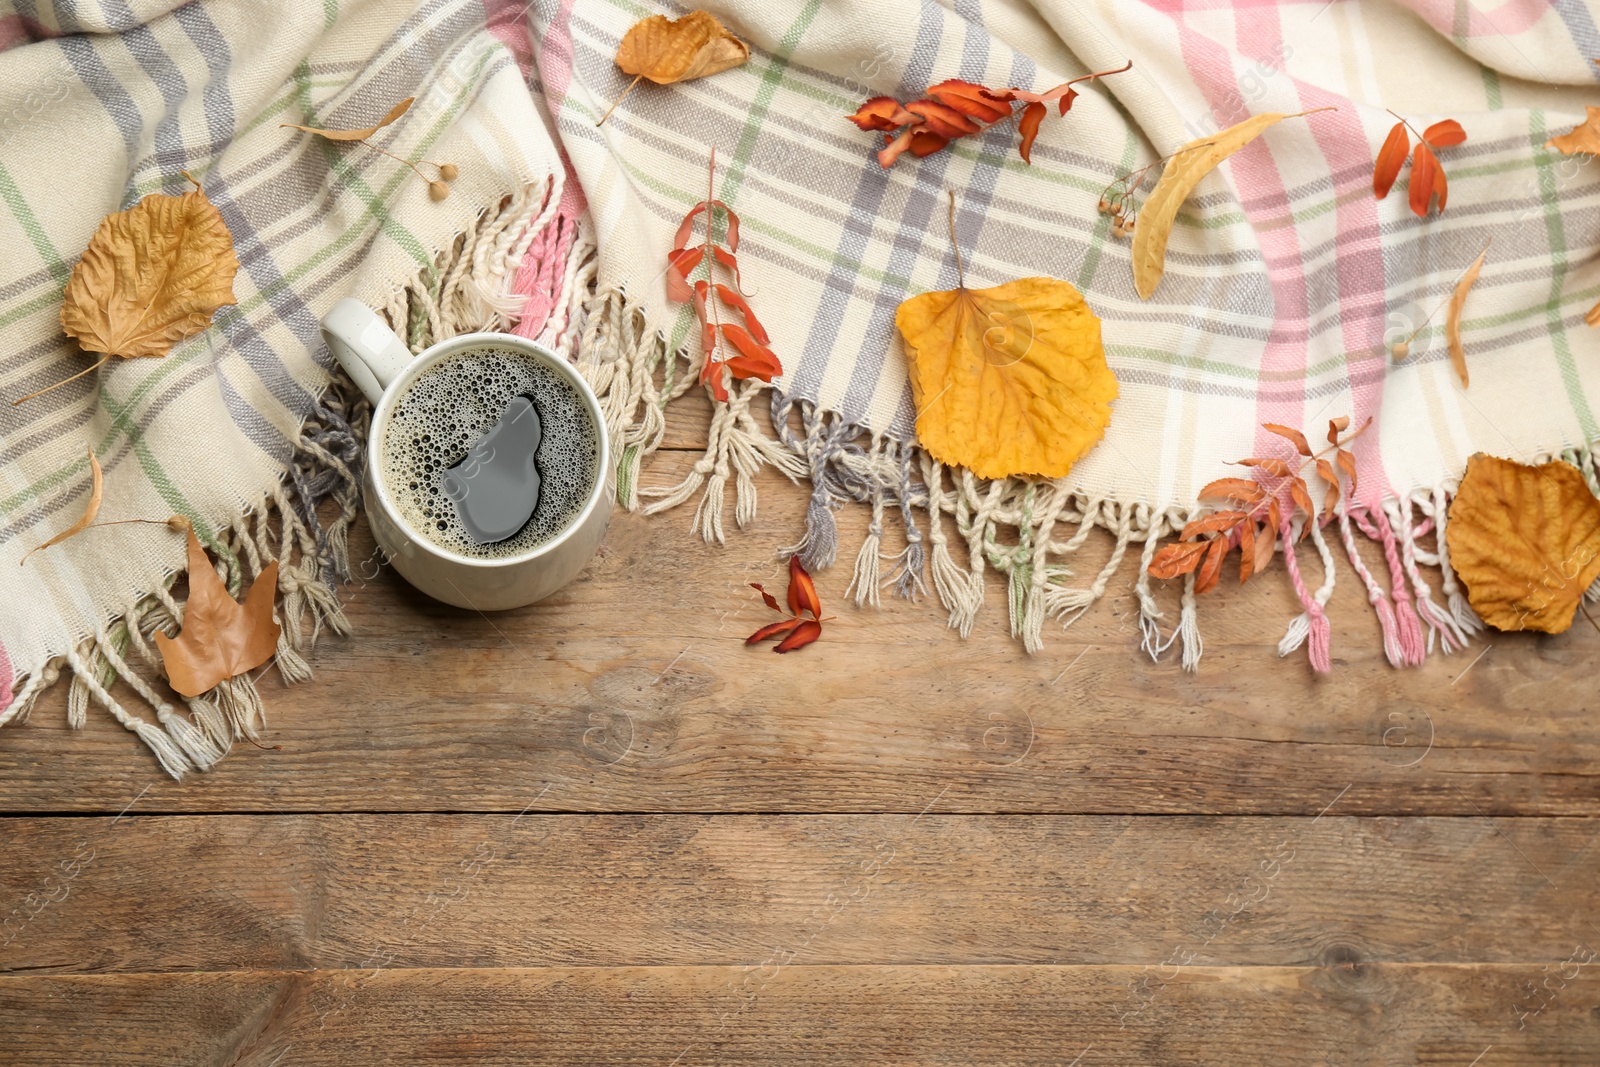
(1584, 137)
(676, 50)
(1183, 172)
(1525, 541)
(90, 509)
(354, 135)
(1008, 380)
(151, 276)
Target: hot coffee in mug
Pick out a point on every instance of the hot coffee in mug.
(489, 480)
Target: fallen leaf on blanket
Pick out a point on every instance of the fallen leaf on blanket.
(675, 50)
(1184, 169)
(955, 108)
(356, 135)
(1525, 542)
(438, 188)
(725, 315)
(1584, 137)
(1427, 176)
(797, 631)
(90, 510)
(1452, 322)
(151, 276)
(1256, 515)
(221, 638)
(1008, 380)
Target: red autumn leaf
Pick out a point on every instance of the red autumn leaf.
(805, 633)
(1221, 521)
(971, 100)
(1247, 549)
(712, 376)
(881, 113)
(1274, 517)
(1242, 490)
(1427, 179)
(1032, 115)
(1266, 545)
(1391, 157)
(1347, 463)
(754, 361)
(1301, 495)
(1294, 437)
(926, 143)
(681, 262)
(1275, 467)
(1444, 133)
(686, 227)
(772, 630)
(1206, 579)
(731, 297)
(942, 119)
(1326, 472)
(802, 590)
(772, 601)
(1175, 559)
(1337, 427)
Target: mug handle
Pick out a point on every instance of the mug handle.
(364, 346)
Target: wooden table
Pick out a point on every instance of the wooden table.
(603, 831)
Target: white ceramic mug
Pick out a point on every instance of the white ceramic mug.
(382, 366)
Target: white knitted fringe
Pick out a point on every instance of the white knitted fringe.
(465, 289)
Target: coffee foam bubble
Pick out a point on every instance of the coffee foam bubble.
(448, 407)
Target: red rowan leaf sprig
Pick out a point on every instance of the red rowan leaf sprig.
(1427, 176)
(797, 631)
(1205, 542)
(724, 313)
(955, 108)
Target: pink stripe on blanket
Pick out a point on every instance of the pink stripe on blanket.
(1513, 16)
(507, 22)
(6, 679)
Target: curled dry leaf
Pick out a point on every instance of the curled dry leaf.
(1183, 172)
(1525, 542)
(151, 276)
(1007, 380)
(221, 638)
(796, 631)
(1452, 322)
(90, 510)
(666, 50)
(356, 135)
(1584, 137)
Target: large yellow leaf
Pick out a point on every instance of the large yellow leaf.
(1008, 380)
(151, 276)
(1526, 541)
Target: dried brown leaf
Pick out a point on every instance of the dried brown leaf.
(1242, 490)
(1294, 437)
(1176, 559)
(90, 510)
(221, 638)
(1452, 322)
(355, 135)
(1210, 571)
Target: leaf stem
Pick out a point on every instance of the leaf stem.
(1401, 349)
(402, 159)
(64, 381)
(619, 100)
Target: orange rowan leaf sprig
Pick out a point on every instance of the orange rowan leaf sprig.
(1205, 542)
(955, 108)
(797, 631)
(754, 359)
(1427, 176)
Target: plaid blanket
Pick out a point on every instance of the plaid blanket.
(1286, 280)
(102, 104)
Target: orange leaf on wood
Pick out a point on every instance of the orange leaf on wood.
(1525, 541)
(1205, 579)
(802, 590)
(221, 638)
(776, 629)
(1175, 559)
(805, 633)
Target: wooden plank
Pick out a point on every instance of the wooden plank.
(291, 892)
(632, 690)
(1368, 1014)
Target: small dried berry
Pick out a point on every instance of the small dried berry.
(449, 172)
(438, 190)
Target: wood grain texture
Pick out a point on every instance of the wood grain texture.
(1356, 1015)
(180, 893)
(632, 690)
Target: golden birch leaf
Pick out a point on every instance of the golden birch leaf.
(1452, 322)
(1584, 137)
(221, 638)
(673, 50)
(151, 276)
(1183, 172)
(90, 510)
(1008, 380)
(1525, 541)
(355, 135)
